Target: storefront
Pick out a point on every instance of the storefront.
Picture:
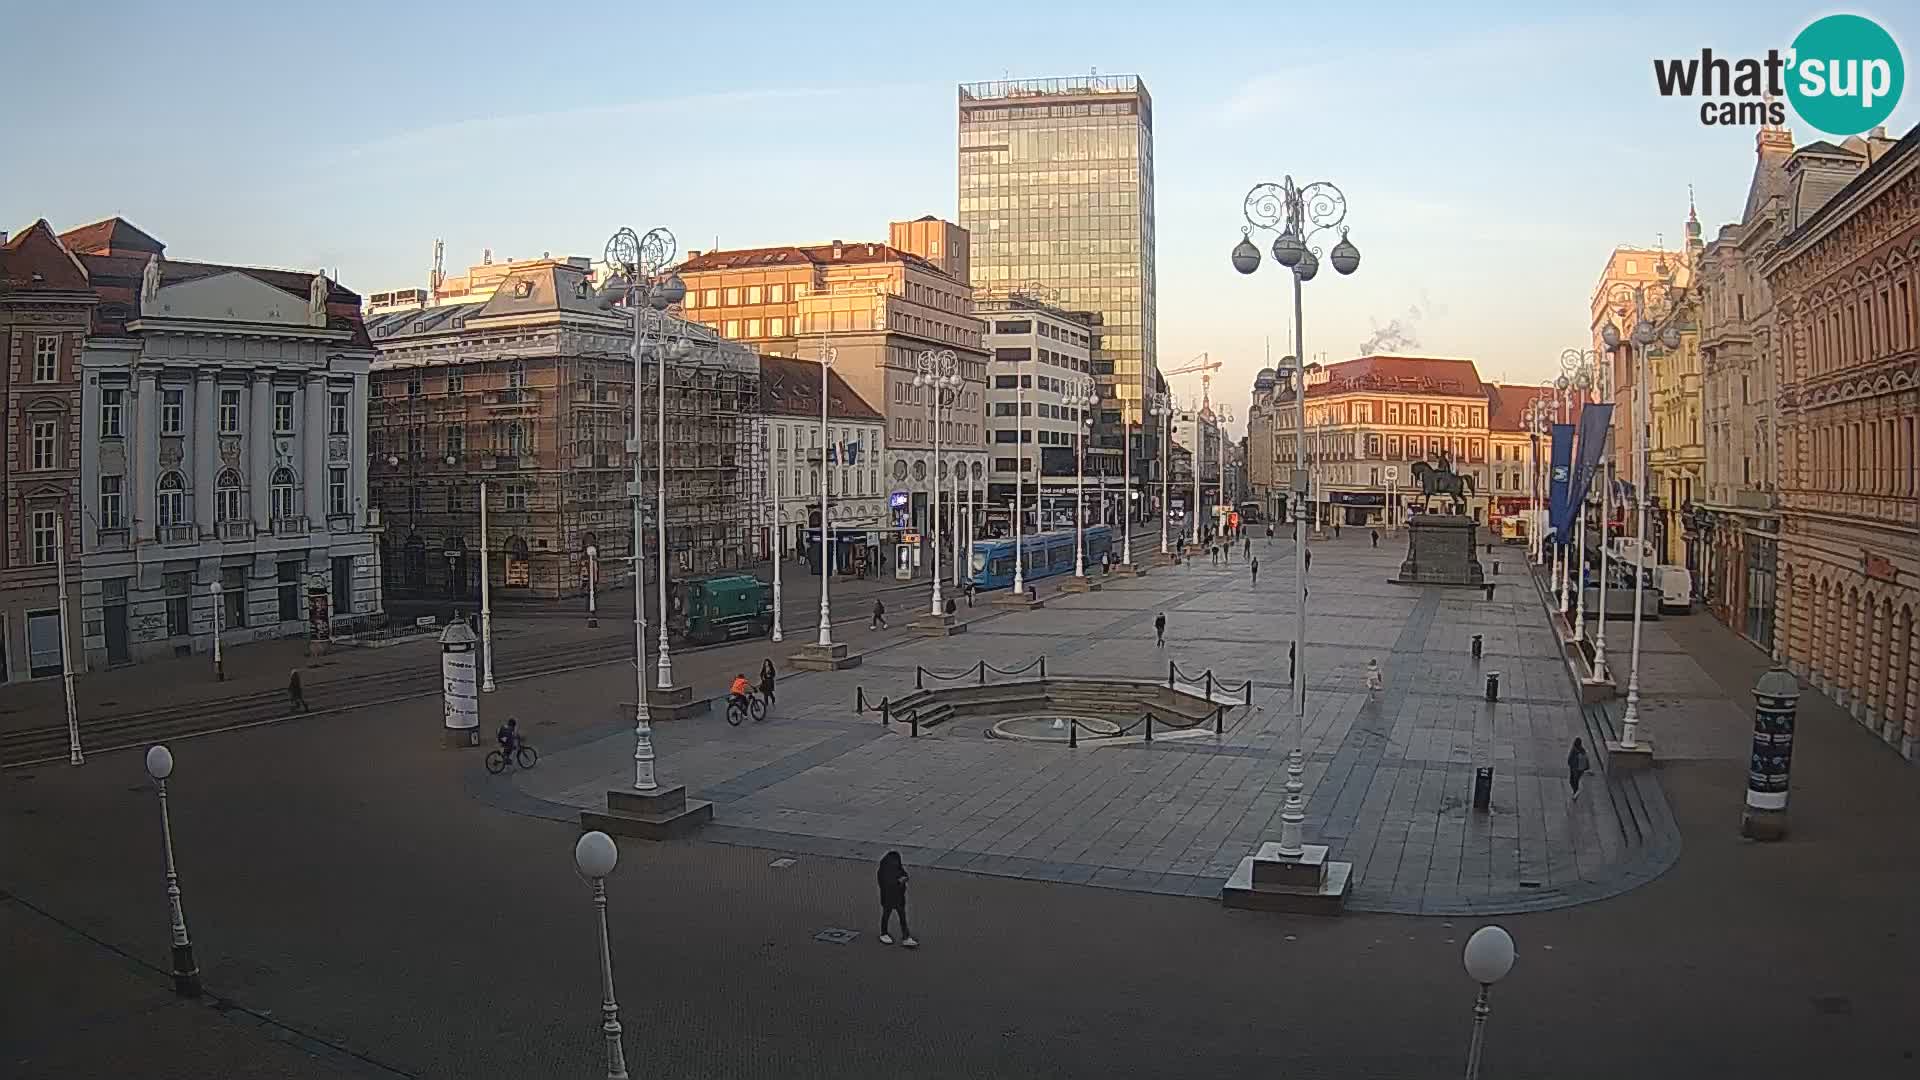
(1355, 508)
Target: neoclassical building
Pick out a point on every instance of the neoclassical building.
(1845, 285)
(223, 453)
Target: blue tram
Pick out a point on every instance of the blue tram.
(1048, 553)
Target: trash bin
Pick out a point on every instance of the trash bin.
(1483, 787)
(1493, 686)
(1476, 646)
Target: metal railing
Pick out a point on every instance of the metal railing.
(978, 672)
(1207, 679)
(1146, 722)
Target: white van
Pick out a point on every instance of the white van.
(1676, 590)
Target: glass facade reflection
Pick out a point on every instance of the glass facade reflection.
(1056, 188)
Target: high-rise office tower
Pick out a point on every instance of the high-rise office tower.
(1056, 189)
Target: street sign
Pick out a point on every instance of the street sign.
(1392, 473)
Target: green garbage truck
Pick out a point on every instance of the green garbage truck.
(720, 607)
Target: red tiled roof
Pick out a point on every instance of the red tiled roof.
(1507, 405)
(114, 236)
(809, 255)
(35, 260)
(791, 387)
(1405, 374)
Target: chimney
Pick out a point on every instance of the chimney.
(869, 249)
(836, 249)
(3, 236)
(693, 253)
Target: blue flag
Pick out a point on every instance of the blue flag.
(1561, 485)
(1587, 450)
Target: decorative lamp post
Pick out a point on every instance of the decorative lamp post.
(1126, 494)
(1160, 405)
(773, 548)
(1019, 476)
(1561, 388)
(1298, 214)
(1082, 396)
(1578, 366)
(186, 973)
(595, 856)
(1488, 957)
(486, 601)
(74, 756)
(1221, 419)
(828, 354)
(219, 664)
(593, 571)
(638, 262)
(939, 375)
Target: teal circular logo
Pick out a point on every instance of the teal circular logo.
(1846, 74)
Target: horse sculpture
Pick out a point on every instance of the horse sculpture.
(1443, 481)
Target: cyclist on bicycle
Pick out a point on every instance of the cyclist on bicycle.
(509, 737)
(737, 693)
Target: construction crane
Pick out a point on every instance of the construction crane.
(1206, 367)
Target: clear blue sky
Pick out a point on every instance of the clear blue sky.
(1491, 155)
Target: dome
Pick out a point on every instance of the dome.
(1265, 379)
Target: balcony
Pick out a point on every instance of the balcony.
(178, 534)
(114, 539)
(236, 530)
(290, 526)
(516, 396)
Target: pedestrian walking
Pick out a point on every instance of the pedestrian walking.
(766, 680)
(1248, 553)
(296, 698)
(1576, 766)
(1373, 676)
(1253, 565)
(1160, 630)
(1290, 663)
(969, 593)
(1375, 534)
(1269, 534)
(879, 616)
(893, 899)
(1309, 558)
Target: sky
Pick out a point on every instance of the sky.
(1492, 155)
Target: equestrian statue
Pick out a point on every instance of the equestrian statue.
(1442, 480)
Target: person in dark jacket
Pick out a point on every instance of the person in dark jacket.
(879, 616)
(296, 698)
(1375, 534)
(893, 898)
(766, 680)
(1576, 766)
(1160, 630)
(1254, 566)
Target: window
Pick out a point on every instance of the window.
(516, 496)
(516, 438)
(337, 404)
(171, 404)
(711, 298)
(283, 409)
(516, 375)
(233, 595)
(173, 500)
(110, 491)
(776, 327)
(46, 358)
(416, 439)
(733, 326)
(287, 584)
(337, 492)
(733, 297)
(456, 440)
(110, 401)
(177, 587)
(46, 442)
(456, 381)
(456, 499)
(280, 491)
(753, 328)
(693, 299)
(229, 412)
(42, 530)
(226, 496)
(776, 294)
(753, 294)
(413, 385)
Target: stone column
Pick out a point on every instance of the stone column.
(204, 432)
(1862, 639)
(145, 449)
(313, 463)
(259, 442)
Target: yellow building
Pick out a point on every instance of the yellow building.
(1676, 449)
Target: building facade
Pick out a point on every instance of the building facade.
(1513, 471)
(879, 309)
(855, 446)
(1845, 289)
(1056, 190)
(529, 396)
(46, 306)
(224, 453)
(1041, 355)
(1676, 448)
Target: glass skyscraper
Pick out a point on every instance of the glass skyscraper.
(1056, 188)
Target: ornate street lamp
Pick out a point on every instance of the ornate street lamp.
(595, 856)
(186, 972)
(1298, 214)
(1082, 395)
(1160, 404)
(939, 375)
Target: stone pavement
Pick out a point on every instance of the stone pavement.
(1389, 776)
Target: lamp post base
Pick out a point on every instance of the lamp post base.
(186, 972)
(1763, 824)
(1637, 756)
(1080, 585)
(460, 738)
(662, 814)
(937, 626)
(1307, 883)
(1018, 601)
(833, 657)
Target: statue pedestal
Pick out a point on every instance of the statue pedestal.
(1440, 551)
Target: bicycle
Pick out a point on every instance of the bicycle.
(755, 705)
(525, 756)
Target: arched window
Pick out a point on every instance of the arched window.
(281, 490)
(174, 509)
(226, 496)
(516, 438)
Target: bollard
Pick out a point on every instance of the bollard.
(1220, 720)
(1171, 666)
(1476, 646)
(1043, 667)
(1489, 590)
(917, 672)
(1483, 788)
(885, 713)
(913, 720)
(1073, 732)
(983, 673)
(859, 700)
(1496, 568)
(1249, 689)
(1776, 700)
(1149, 727)
(1209, 684)
(1493, 686)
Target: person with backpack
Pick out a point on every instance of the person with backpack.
(1577, 766)
(893, 899)
(879, 621)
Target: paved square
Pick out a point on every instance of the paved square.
(1389, 775)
